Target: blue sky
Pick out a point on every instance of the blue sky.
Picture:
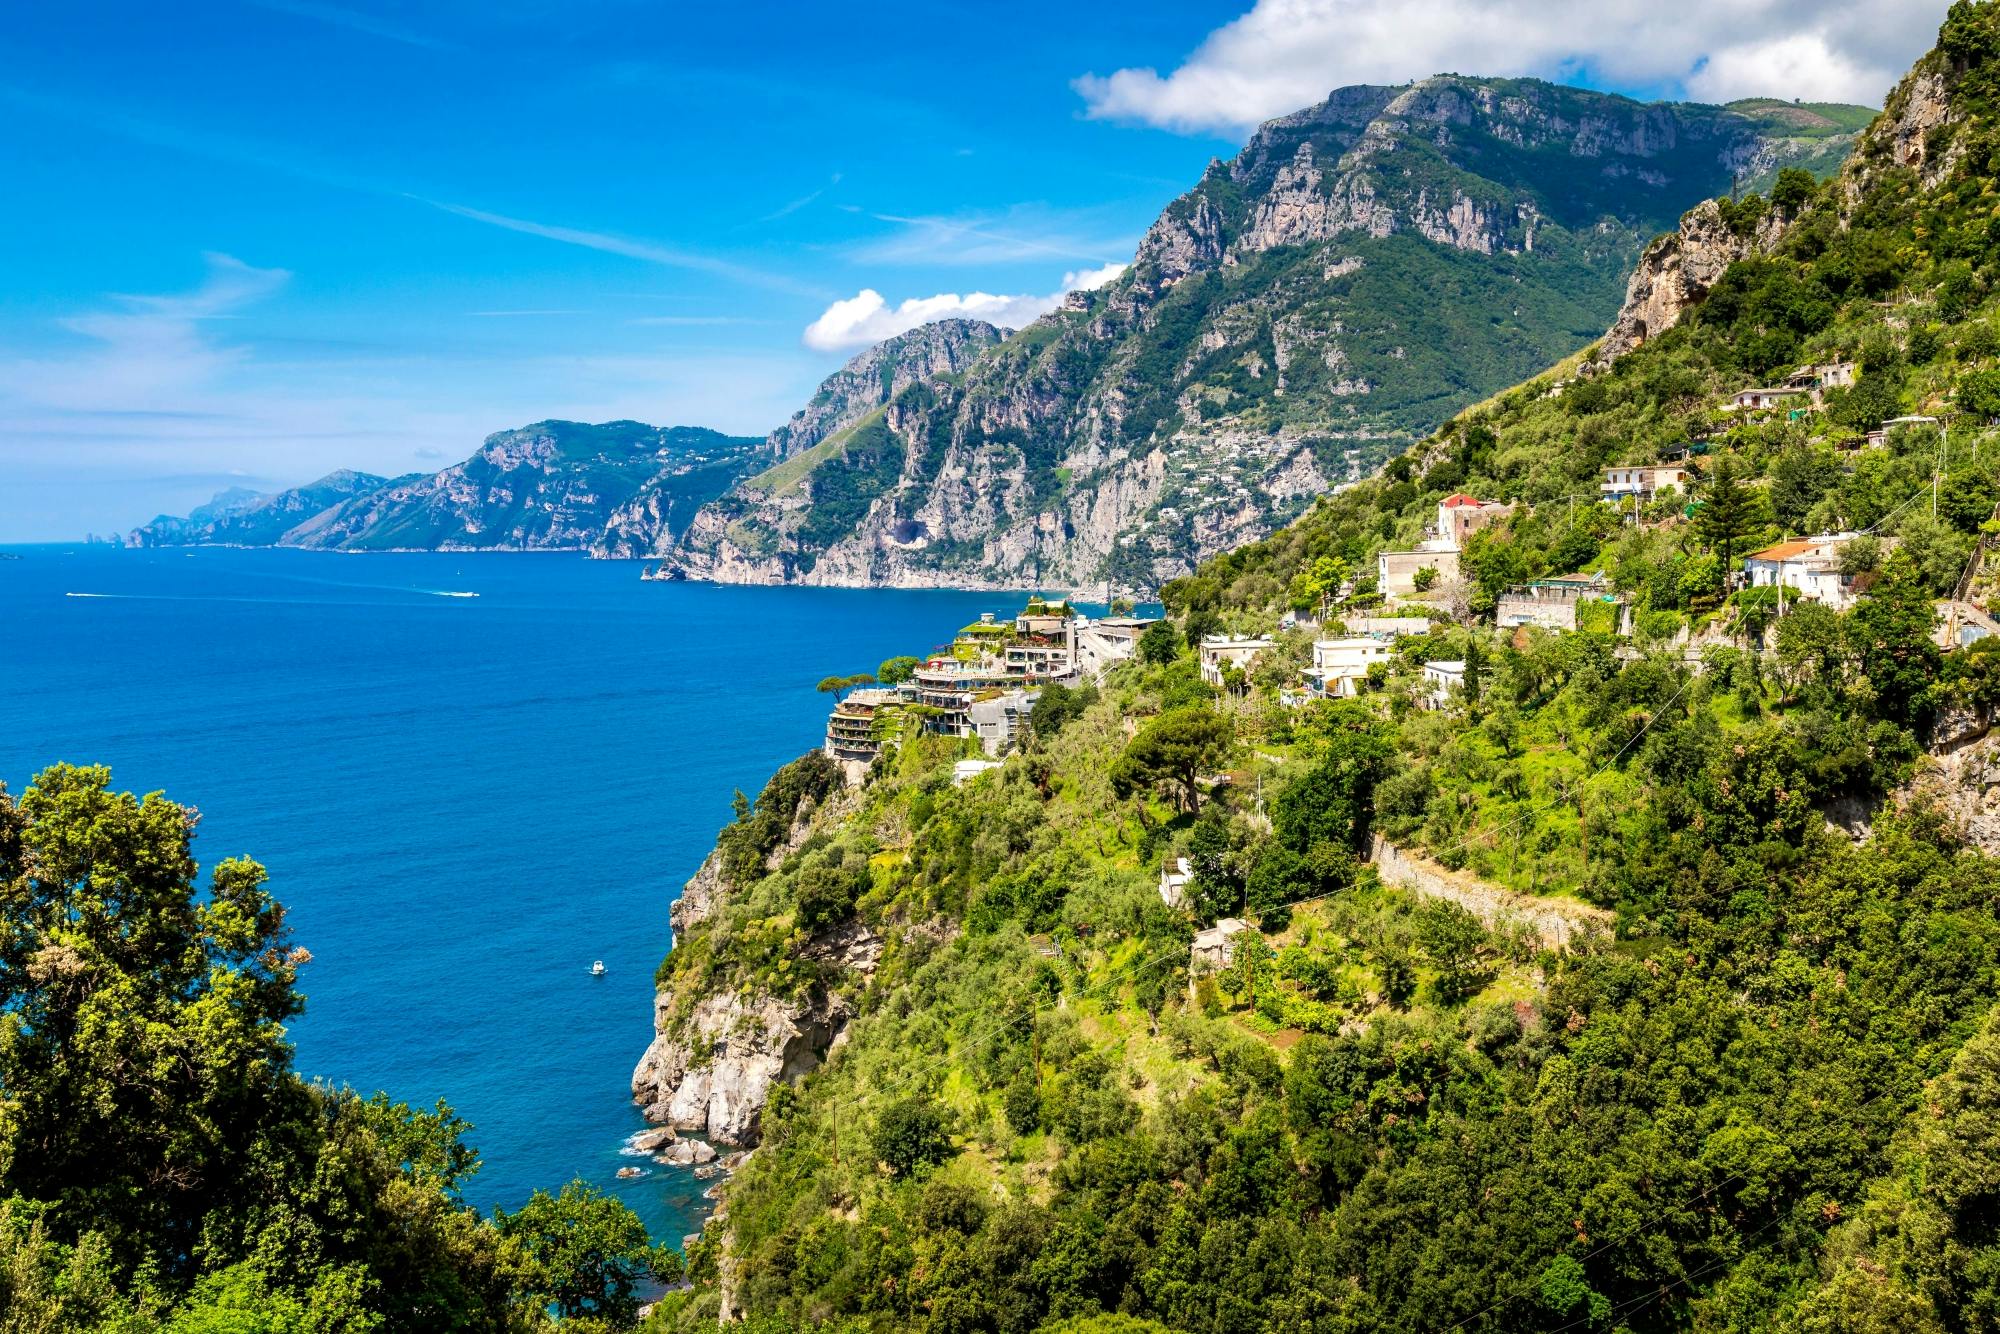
(249, 241)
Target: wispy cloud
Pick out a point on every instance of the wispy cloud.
(355, 21)
(866, 318)
(649, 252)
(299, 166)
(1025, 232)
(148, 349)
(693, 321)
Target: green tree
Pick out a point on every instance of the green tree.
(142, 1056)
(1800, 479)
(1731, 513)
(588, 1252)
(1333, 801)
(1793, 189)
(911, 1134)
(1450, 938)
(1171, 752)
(1159, 643)
(1314, 588)
(1891, 631)
(895, 671)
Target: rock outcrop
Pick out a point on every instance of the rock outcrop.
(716, 1054)
(1676, 272)
(711, 1074)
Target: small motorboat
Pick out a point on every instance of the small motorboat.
(597, 968)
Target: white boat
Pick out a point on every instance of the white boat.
(597, 968)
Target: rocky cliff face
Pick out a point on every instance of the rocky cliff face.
(1676, 271)
(1358, 272)
(645, 526)
(716, 1054)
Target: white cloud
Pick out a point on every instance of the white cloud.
(867, 318)
(1288, 54)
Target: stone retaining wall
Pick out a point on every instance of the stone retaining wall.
(1561, 923)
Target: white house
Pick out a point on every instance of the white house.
(1442, 677)
(1340, 665)
(964, 771)
(1103, 643)
(1809, 568)
(1880, 435)
(1749, 400)
(1387, 627)
(1642, 480)
(1242, 650)
(1174, 878)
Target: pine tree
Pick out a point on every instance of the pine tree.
(1729, 514)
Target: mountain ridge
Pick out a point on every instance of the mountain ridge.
(1346, 281)
(551, 485)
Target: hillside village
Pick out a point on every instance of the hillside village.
(1346, 637)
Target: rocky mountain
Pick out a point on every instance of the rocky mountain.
(645, 526)
(243, 518)
(554, 485)
(1359, 272)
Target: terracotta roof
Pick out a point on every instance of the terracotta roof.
(1783, 551)
(1459, 498)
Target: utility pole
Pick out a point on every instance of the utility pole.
(1945, 457)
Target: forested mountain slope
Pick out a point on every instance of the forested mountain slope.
(1760, 1098)
(1359, 272)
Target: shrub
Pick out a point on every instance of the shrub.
(911, 1135)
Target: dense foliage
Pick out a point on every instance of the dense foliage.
(1714, 1063)
(161, 1165)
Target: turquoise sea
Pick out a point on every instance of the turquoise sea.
(463, 800)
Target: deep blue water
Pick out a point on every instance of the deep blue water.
(464, 801)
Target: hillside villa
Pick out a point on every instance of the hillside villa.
(1387, 627)
(1754, 400)
(1461, 515)
(1643, 480)
(1810, 568)
(1880, 435)
(1441, 678)
(1217, 651)
(1339, 666)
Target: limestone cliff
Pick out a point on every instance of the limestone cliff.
(718, 1049)
(1359, 271)
(648, 524)
(1676, 271)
